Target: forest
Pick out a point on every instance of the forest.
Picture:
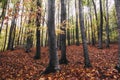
(59, 39)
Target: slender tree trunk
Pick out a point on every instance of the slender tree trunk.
(85, 48)
(73, 36)
(24, 38)
(11, 35)
(53, 65)
(6, 31)
(12, 31)
(13, 41)
(91, 22)
(29, 41)
(18, 40)
(5, 37)
(42, 34)
(101, 27)
(68, 29)
(21, 25)
(58, 21)
(96, 16)
(88, 32)
(46, 39)
(21, 37)
(73, 31)
(63, 59)
(77, 30)
(117, 5)
(3, 14)
(107, 25)
(38, 22)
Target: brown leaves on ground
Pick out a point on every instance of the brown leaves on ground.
(18, 65)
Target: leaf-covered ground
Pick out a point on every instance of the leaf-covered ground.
(18, 65)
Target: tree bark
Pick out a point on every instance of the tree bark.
(77, 30)
(101, 27)
(11, 35)
(3, 13)
(5, 37)
(90, 14)
(68, 29)
(21, 25)
(38, 22)
(12, 31)
(63, 59)
(29, 41)
(85, 48)
(96, 17)
(53, 65)
(117, 6)
(107, 25)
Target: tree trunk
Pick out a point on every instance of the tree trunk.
(72, 31)
(21, 25)
(3, 13)
(12, 31)
(101, 27)
(58, 22)
(89, 37)
(6, 32)
(90, 14)
(53, 65)
(85, 48)
(11, 35)
(68, 29)
(63, 59)
(77, 30)
(96, 16)
(38, 22)
(46, 39)
(29, 41)
(117, 5)
(107, 25)
(21, 37)
(42, 35)
(5, 37)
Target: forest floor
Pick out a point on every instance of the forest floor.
(18, 65)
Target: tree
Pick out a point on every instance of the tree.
(63, 59)
(68, 29)
(4, 2)
(101, 26)
(58, 22)
(12, 31)
(91, 22)
(96, 17)
(6, 32)
(21, 24)
(117, 6)
(85, 48)
(53, 65)
(77, 30)
(38, 22)
(29, 41)
(107, 25)
(43, 28)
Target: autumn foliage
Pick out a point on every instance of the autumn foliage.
(18, 65)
